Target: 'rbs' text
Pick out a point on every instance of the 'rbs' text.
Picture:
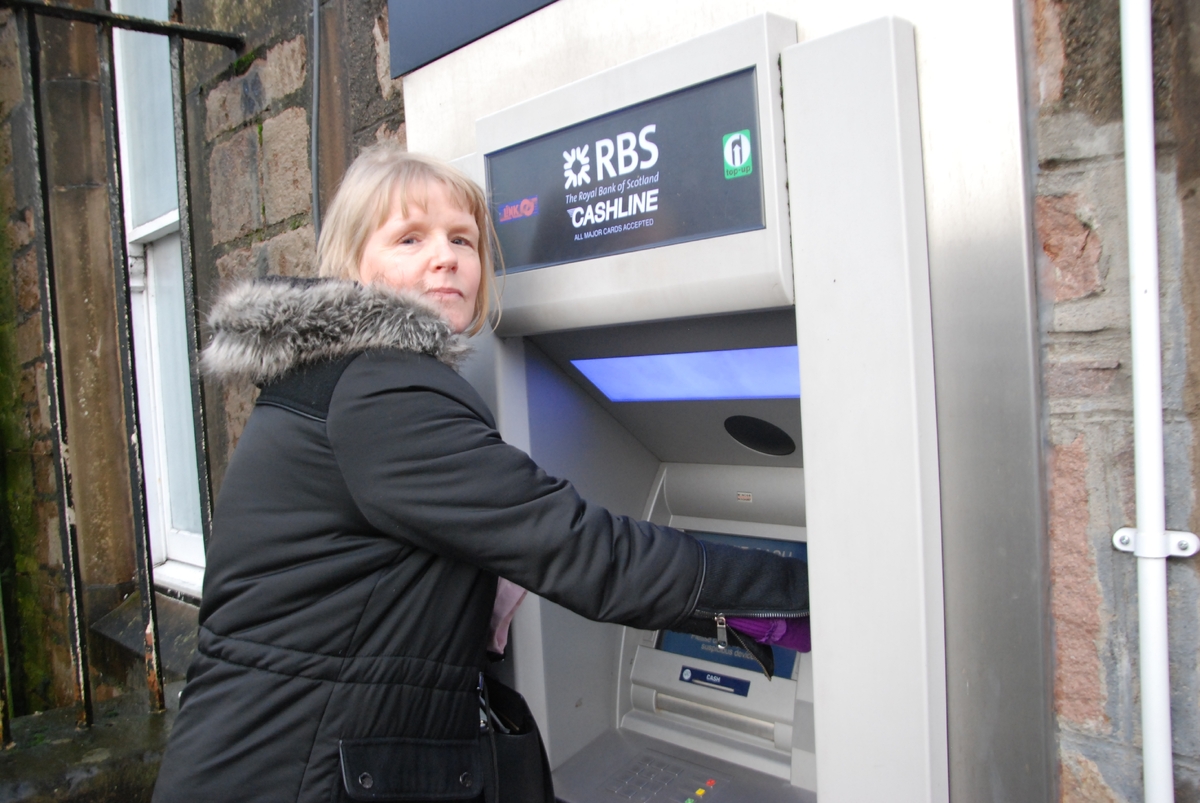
(626, 154)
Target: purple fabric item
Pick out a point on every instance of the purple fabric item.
(794, 634)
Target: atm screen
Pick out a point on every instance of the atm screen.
(691, 646)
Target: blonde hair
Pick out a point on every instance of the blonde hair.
(364, 201)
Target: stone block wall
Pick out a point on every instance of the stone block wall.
(251, 134)
(1079, 215)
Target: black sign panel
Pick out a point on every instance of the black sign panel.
(680, 167)
(422, 31)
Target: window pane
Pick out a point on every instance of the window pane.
(147, 115)
(166, 273)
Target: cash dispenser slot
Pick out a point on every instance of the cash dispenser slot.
(714, 716)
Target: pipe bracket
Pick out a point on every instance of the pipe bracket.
(1171, 543)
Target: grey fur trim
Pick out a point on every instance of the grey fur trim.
(262, 329)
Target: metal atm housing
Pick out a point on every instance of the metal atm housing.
(608, 697)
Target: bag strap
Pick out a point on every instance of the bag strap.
(491, 789)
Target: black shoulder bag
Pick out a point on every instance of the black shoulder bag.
(520, 771)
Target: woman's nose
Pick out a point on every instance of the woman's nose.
(444, 256)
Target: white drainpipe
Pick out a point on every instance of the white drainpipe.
(1150, 541)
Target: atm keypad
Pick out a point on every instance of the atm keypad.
(662, 779)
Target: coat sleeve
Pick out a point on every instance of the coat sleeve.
(424, 464)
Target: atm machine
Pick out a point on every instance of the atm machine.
(688, 337)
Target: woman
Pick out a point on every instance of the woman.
(371, 506)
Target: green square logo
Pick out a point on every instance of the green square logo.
(739, 161)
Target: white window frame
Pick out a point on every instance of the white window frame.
(177, 554)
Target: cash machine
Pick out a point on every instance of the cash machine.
(689, 335)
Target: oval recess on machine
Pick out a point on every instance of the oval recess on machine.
(759, 435)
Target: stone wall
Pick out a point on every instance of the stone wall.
(1079, 212)
(250, 129)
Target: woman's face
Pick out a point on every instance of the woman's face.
(432, 251)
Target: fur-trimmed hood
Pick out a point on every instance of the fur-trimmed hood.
(262, 329)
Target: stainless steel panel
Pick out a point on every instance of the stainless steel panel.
(990, 427)
(870, 440)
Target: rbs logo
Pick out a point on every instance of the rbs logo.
(629, 152)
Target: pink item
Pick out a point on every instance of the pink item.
(794, 634)
(508, 598)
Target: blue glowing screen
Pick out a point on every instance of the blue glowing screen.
(769, 373)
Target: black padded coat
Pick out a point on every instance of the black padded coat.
(361, 524)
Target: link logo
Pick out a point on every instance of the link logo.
(526, 207)
(738, 159)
